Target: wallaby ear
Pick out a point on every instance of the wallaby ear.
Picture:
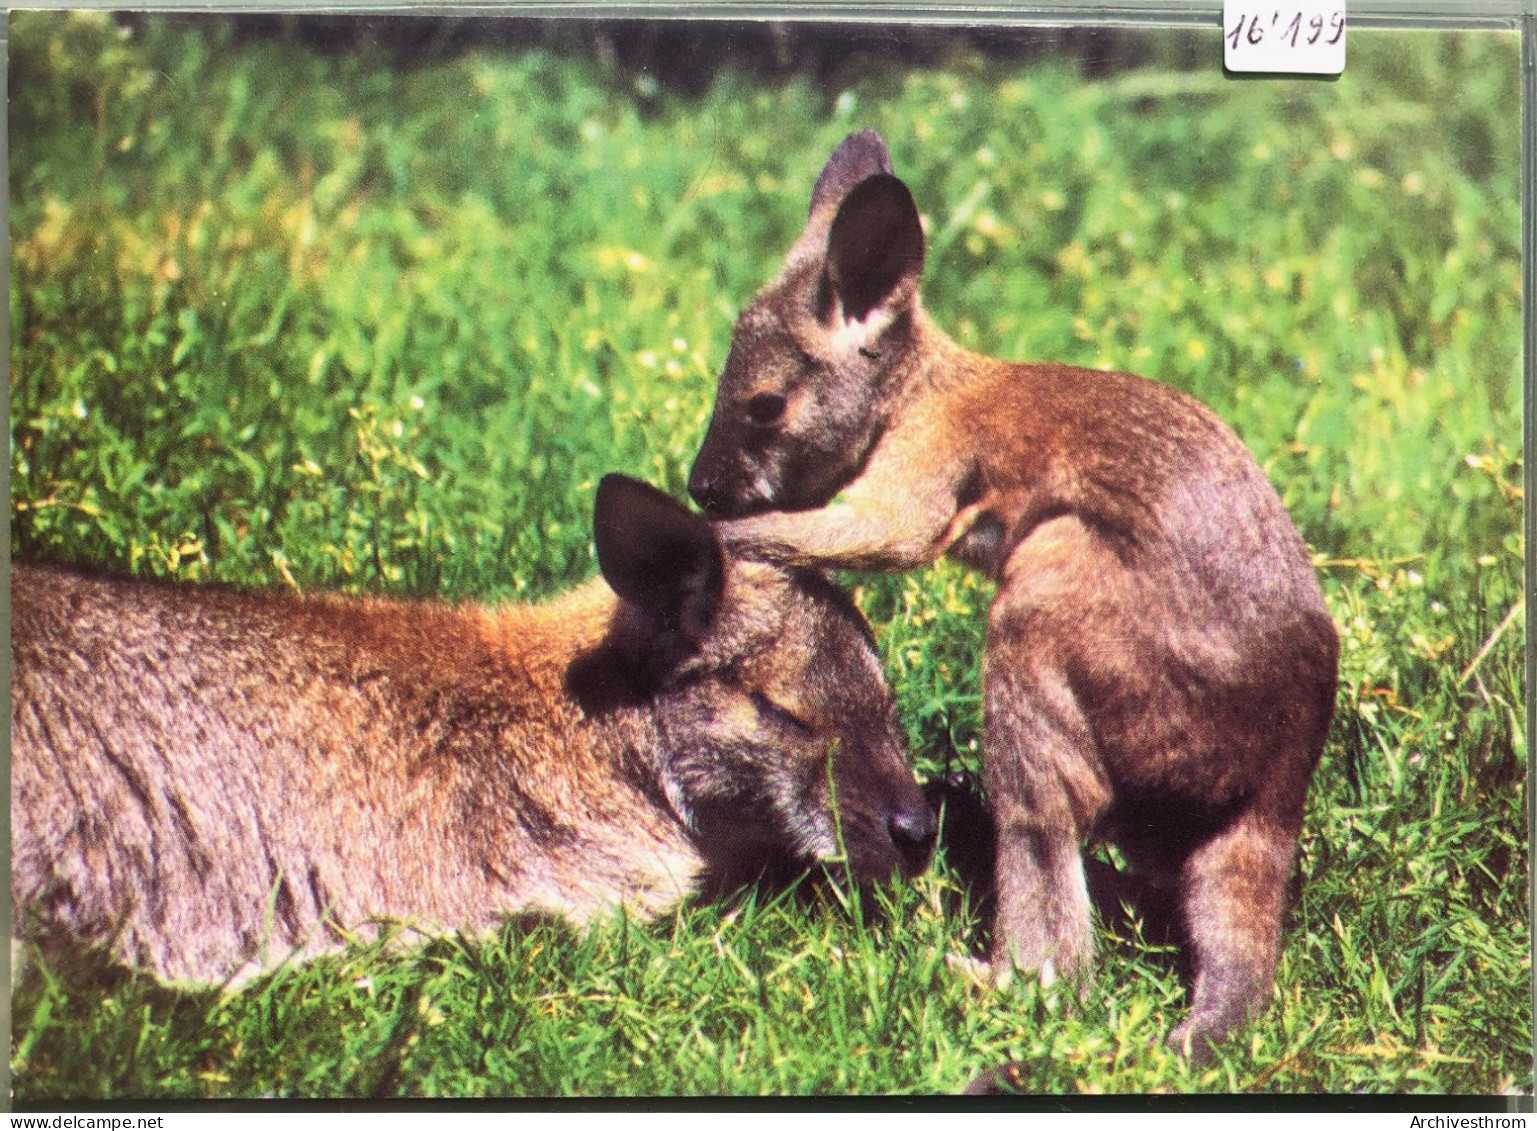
(659, 556)
(858, 157)
(875, 248)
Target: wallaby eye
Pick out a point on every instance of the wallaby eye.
(772, 710)
(869, 353)
(765, 408)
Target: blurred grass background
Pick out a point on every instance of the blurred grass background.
(371, 305)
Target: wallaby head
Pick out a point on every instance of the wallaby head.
(821, 352)
(781, 739)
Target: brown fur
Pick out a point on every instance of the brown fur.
(207, 782)
(1160, 665)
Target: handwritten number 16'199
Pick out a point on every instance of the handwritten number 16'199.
(1292, 33)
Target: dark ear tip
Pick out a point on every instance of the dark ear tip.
(870, 144)
(652, 548)
(613, 510)
(610, 487)
(857, 156)
(619, 494)
(614, 486)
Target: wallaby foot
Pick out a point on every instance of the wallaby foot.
(989, 975)
(1233, 894)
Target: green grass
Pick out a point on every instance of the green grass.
(378, 323)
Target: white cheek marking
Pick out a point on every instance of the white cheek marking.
(812, 834)
(763, 488)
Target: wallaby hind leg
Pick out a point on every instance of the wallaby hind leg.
(1233, 891)
(1047, 791)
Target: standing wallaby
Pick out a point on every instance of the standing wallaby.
(1160, 667)
(206, 783)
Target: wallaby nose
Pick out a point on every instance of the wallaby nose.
(913, 831)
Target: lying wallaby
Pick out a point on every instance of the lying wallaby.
(206, 782)
(1160, 667)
